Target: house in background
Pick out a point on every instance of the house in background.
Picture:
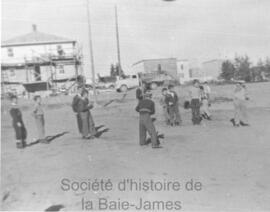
(212, 69)
(168, 65)
(176, 68)
(183, 71)
(39, 61)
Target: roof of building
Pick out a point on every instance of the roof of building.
(141, 61)
(35, 38)
(214, 60)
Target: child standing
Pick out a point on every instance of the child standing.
(146, 108)
(38, 113)
(173, 106)
(205, 113)
(88, 125)
(17, 122)
(164, 105)
(74, 105)
(195, 95)
(240, 108)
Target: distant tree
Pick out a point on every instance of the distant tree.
(112, 72)
(228, 70)
(119, 70)
(267, 67)
(258, 71)
(242, 68)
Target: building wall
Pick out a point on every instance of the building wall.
(183, 71)
(196, 73)
(212, 69)
(148, 66)
(23, 75)
(18, 54)
(138, 68)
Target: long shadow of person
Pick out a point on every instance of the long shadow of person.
(100, 132)
(55, 208)
(48, 139)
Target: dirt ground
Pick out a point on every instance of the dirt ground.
(232, 164)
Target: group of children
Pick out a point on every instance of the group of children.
(199, 103)
(199, 98)
(80, 105)
(19, 126)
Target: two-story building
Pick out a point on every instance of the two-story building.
(38, 61)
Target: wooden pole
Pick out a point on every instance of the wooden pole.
(91, 52)
(117, 38)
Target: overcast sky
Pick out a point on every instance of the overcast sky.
(186, 29)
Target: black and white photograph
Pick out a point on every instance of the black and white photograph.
(135, 105)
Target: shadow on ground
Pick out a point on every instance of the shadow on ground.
(49, 139)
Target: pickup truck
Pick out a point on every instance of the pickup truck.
(127, 82)
(155, 79)
(152, 81)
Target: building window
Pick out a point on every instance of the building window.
(12, 73)
(61, 69)
(10, 52)
(60, 50)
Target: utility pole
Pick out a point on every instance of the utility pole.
(117, 38)
(91, 52)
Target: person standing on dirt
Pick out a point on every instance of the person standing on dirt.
(88, 125)
(173, 106)
(164, 105)
(75, 102)
(146, 108)
(38, 114)
(195, 95)
(17, 123)
(207, 90)
(205, 113)
(240, 108)
(140, 91)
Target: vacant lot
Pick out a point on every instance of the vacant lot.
(232, 164)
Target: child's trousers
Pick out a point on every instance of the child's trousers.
(240, 111)
(40, 124)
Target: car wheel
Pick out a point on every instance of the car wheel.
(153, 86)
(123, 88)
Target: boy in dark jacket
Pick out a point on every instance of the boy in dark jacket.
(88, 125)
(146, 108)
(75, 102)
(173, 106)
(17, 122)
